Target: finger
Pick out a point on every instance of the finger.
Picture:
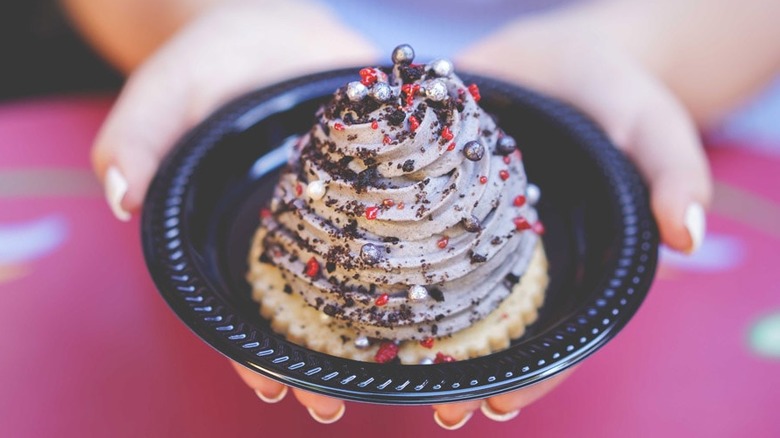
(266, 389)
(141, 127)
(504, 407)
(325, 410)
(453, 416)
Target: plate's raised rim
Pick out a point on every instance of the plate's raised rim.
(179, 277)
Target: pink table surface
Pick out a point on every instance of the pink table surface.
(88, 347)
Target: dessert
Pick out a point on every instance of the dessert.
(403, 225)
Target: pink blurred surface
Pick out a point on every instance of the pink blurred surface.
(88, 347)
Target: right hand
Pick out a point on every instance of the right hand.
(230, 49)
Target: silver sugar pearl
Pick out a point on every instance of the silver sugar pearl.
(362, 342)
(471, 224)
(418, 293)
(356, 91)
(506, 145)
(370, 254)
(532, 194)
(426, 361)
(474, 150)
(436, 91)
(382, 92)
(442, 68)
(403, 54)
(315, 190)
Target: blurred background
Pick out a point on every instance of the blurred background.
(87, 347)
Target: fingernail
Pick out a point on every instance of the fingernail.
(488, 411)
(696, 224)
(455, 426)
(336, 417)
(272, 399)
(116, 189)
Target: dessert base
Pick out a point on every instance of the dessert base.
(306, 326)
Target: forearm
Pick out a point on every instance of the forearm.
(127, 32)
(711, 54)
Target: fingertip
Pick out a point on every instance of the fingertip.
(323, 409)
(266, 389)
(454, 415)
(681, 218)
(115, 187)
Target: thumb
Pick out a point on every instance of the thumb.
(218, 56)
(639, 114)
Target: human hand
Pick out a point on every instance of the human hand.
(229, 50)
(606, 79)
(641, 116)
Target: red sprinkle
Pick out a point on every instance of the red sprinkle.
(446, 133)
(374, 125)
(413, 123)
(387, 139)
(265, 213)
(312, 268)
(504, 175)
(538, 228)
(382, 300)
(388, 202)
(298, 189)
(521, 224)
(451, 147)
(410, 90)
(400, 206)
(427, 343)
(442, 358)
(371, 212)
(387, 352)
(367, 76)
(474, 90)
(443, 242)
(506, 159)
(483, 179)
(338, 126)
(519, 201)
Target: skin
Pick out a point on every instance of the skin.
(651, 73)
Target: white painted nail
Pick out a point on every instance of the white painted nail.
(333, 419)
(275, 399)
(488, 411)
(696, 224)
(455, 426)
(116, 189)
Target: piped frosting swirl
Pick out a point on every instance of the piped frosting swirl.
(402, 212)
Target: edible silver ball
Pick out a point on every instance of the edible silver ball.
(442, 68)
(532, 194)
(315, 190)
(370, 254)
(382, 92)
(356, 91)
(436, 91)
(426, 361)
(506, 145)
(471, 224)
(362, 342)
(418, 293)
(403, 54)
(474, 150)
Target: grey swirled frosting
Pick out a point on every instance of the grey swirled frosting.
(402, 211)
